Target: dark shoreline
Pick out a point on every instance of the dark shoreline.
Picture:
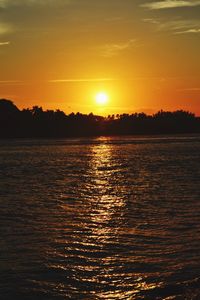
(37, 123)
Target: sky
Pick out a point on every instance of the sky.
(144, 54)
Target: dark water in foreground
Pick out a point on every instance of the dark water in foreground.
(105, 218)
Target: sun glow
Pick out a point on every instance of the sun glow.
(101, 98)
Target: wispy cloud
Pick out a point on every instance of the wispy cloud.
(11, 82)
(4, 43)
(165, 4)
(176, 25)
(193, 30)
(110, 50)
(180, 25)
(108, 79)
(151, 20)
(82, 80)
(192, 89)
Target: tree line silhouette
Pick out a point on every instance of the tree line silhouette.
(36, 123)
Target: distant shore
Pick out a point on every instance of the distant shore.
(37, 123)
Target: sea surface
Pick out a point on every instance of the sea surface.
(100, 218)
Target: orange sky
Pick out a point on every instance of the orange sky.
(58, 54)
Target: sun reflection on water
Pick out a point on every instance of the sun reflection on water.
(100, 219)
(106, 211)
(94, 240)
(106, 201)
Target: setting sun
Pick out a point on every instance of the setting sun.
(101, 98)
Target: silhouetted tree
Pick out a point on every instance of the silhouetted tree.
(36, 122)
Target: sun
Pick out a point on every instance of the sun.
(101, 98)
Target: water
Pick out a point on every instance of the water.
(104, 218)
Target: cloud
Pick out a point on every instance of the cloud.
(193, 30)
(4, 43)
(10, 82)
(180, 24)
(110, 50)
(192, 89)
(81, 80)
(151, 20)
(176, 26)
(171, 4)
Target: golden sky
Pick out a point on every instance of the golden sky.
(59, 53)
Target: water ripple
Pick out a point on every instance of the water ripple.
(106, 218)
